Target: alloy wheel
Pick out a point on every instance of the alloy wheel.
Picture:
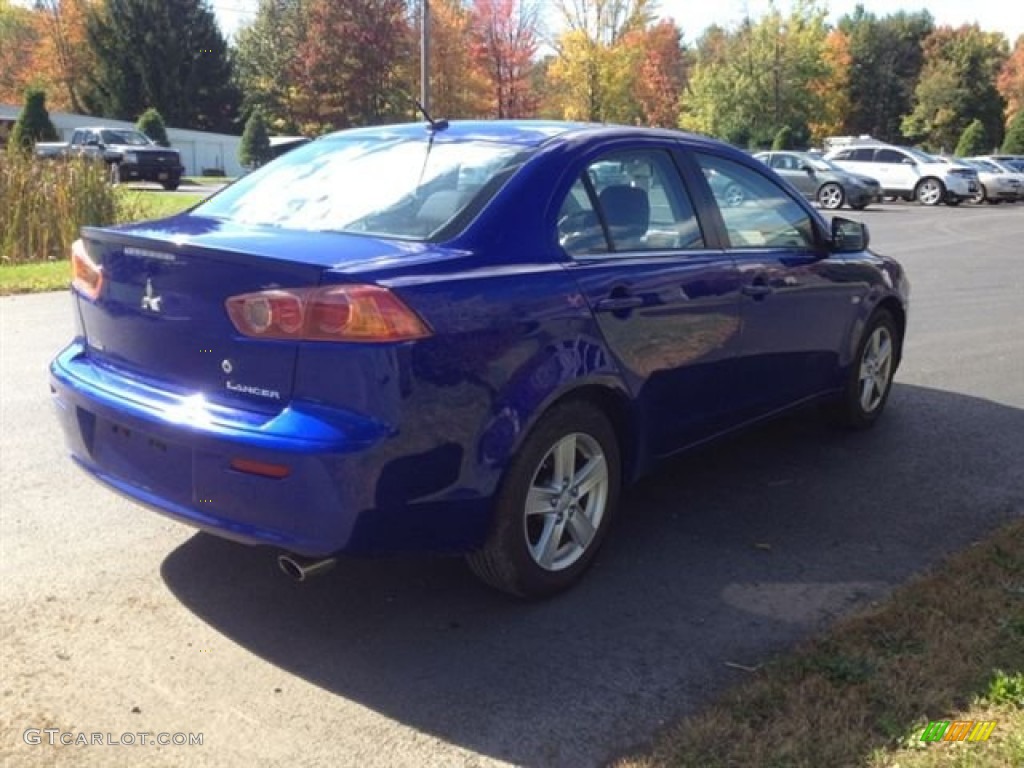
(875, 369)
(566, 501)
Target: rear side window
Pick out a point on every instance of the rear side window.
(756, 211)
(384, 185)
(889, 156)
(629, 202)
(856, 155)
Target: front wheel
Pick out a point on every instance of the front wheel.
(980, 196)
(554, 504)
(870, 378)
(170, 186)
(831, 196)
(930, 192)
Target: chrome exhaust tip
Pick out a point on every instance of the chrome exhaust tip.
(301, 568)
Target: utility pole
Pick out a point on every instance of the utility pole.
(425, 57)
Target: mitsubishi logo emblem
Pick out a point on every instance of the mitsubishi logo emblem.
(150, 301)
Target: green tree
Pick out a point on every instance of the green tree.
(886, 58)
(266, 62)
(749, 83)
(168, 54)
(151, 123)
(1014, 142)
(254, 149)
(958, 85)
(33, 123)
(973, 140)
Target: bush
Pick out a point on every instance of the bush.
(44, 202)
(152, 124)
(1014, 142)
(34, 121)
(973, 140)
(783, 139)
(254, 150)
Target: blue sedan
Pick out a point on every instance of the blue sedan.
(462, 338)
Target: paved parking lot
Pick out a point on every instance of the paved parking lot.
(119, 621)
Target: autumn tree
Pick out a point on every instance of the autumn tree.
(344, 74)
(19, 37)
(1010, 82)
(504, 37)
(459, 86)
(661, 76)
(168, 54)
(598, 56)
(886, 59)
(957, 85)
(64, 57)
(831, 90)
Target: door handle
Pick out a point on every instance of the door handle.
(757, 290)
(619, 303)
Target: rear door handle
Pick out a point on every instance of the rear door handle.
(757, 290)
(618, 303)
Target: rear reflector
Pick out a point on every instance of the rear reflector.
(86, 275)
(331, 313)
(261, 468)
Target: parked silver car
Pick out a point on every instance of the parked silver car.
(818, 179)
(995, 184)
(1008, 167)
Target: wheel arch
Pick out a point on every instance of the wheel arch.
(899, 315)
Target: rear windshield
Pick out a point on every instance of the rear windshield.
(388, 186)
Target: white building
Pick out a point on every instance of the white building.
(200, 151)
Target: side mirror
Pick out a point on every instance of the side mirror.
(849, 236)
(92, 143)
(808, 169)
(907, 161)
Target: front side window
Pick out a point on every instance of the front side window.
(890, 156)
(757, 212)
(636, 201)
(385, 185)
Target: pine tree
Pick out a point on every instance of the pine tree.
(33, 123)
(1014, 143)
(254, 150)
(165, 54)
(152, 124)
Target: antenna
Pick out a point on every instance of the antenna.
(435, 125)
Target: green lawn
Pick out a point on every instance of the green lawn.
(136, 205)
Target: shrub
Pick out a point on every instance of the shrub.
(152, 124)
(1014, 142)
(254, 150)
(34, 121)
(46, 201)
(972, 141)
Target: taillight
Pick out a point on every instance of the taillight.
(329, 313)
(86, 275)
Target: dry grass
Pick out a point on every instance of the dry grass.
(949, 646)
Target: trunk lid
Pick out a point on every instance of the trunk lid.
(160, 314)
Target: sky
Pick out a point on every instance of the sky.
(693, 16)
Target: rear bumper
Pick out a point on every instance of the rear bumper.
(173, 453)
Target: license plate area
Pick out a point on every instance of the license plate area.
(143, 460)
(163, 176)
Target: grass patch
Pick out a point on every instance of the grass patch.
(140, 204)
(947, 646)
(208, 180)
(34, 277)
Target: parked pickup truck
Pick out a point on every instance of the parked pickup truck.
(130, 154)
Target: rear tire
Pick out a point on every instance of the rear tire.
(554, 504)
(870, 378)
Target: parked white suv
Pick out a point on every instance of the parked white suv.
(909, 173)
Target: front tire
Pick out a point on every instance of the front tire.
(831, 196)
(871, 373)
(554, 504)
(980, 196)
(930, 192)
(170, 186)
